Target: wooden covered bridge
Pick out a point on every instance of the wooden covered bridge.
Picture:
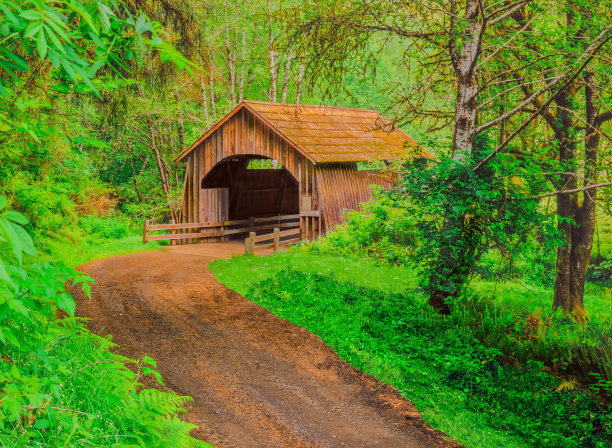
(272, 165)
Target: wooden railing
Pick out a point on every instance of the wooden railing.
(273, 240)
(197, 231)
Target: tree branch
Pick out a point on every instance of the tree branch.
(575, 190)
(452, 39)
(586, 57)
(603, 117)
(509, 12)
(505, 45)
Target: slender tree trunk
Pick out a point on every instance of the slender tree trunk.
(567, 203)
(230, 57)
(273, 69)
(134, 180)
(462, 233)
(163, 174)
(204, 100)
(181, 122)
(242, 57)
(574, 258)
(464, 129)
(300, 79)
(286, 77)
(212, 94)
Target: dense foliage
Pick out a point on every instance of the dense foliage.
(61, 385)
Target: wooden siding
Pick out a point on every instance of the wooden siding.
(241, 135)
(342, 187)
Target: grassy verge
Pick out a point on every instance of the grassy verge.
(240, 273)
(90, 249)
(376, 320)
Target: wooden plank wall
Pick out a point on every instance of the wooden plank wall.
(342, 186)
(242, 134)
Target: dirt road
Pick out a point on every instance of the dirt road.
(257, 380)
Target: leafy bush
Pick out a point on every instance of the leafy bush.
(60, 384)
(600, 270)
(381, 230)
(106, 227)
(432, 358)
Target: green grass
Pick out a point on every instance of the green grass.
(410, 359)
(603, 236)
(240, 273)
(86, 250)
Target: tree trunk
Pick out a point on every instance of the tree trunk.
(300, 79)
(230, 58)
(273, 69)
(574, 258)
(212, 94)
(204, 101)
(286, 77)
(454, 258)
(242, 58)
(134, 180)
(163, 174)
(181, 123)
(464, 129)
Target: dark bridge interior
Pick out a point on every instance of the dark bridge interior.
(254, 192)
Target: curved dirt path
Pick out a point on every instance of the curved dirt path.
(256, 379)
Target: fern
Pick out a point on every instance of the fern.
(174, 432)
(162, 402)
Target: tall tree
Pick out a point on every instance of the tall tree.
(575, 117)
(461, 43)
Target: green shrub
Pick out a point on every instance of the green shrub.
(106, 227)
(379, 230)
(600, 271)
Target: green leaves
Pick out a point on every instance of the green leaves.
(66, 303)
(17, 238)
(74, 37)
(56, 378)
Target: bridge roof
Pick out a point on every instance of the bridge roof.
(329, 134)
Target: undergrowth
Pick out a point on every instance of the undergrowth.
(60, 385)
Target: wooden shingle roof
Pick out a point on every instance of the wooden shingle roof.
(330, 134)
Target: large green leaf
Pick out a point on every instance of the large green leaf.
(27, 244)
(4, 276)
(16, 217)
(66, 303)
(41, 44)
(12, 238)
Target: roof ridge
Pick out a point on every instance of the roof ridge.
(314, 106)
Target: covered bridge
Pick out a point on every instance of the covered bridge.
(267, 163)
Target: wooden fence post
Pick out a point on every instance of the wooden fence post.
(276, 240)
(145, 231)
(249, 244)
